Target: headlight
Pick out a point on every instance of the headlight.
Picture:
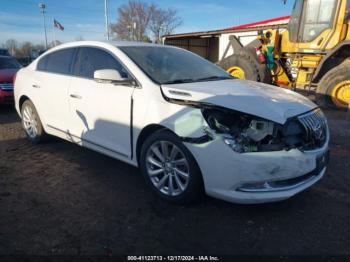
(244, 133)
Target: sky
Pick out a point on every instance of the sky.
(22, 20)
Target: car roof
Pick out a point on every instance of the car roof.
(104, 44)
(111, 43)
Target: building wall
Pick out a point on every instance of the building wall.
(205, 47)
(244, 37)
(212, 48)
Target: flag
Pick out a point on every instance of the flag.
(57, 25)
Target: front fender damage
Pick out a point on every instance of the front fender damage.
(191, 127)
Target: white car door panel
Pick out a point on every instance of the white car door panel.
(100, 112)
(52, 83)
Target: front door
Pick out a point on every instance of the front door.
(100, 112)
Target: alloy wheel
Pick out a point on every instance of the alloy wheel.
(167, 168)
(30, 122)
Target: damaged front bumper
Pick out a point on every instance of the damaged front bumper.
(259, 177)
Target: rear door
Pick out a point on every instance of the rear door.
(51, 85)
(100, 113)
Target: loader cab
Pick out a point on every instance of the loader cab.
(315, 26)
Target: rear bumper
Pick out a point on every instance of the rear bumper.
(6, 97)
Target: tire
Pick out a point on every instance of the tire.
(328, 85)
(31, 123)
(244, 63)
(184, 190)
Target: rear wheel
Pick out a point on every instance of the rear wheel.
(170, 169)
(31, 123)
(334, 88)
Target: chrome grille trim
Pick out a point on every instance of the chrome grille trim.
(6, 86)
(316, 128)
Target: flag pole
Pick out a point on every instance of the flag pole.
(42, 6)
(106, 20)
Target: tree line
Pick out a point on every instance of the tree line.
(26, 49)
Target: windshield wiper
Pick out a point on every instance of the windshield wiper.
(179, 81)
(190, 80)
(214, 78)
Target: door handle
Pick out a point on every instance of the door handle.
(75, 96)
(35, 86)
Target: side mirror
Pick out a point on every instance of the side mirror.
(110, 76)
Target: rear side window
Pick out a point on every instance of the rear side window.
(90, 59)
(57, 62)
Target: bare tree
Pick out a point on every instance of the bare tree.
(26, 50)
(133, 21)
(163, 22)
(137, 19)
(54, 43)
(11, 45)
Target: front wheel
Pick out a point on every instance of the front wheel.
(170, 169)
(31, 123)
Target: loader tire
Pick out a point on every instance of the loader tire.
(240, 66)
(334, 88)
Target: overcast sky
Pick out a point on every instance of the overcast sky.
(21, 19)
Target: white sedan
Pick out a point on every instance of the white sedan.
(188, 125)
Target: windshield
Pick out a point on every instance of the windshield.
(319, 16)
(293, 26)
(311, 17)
(166, 65)
(9, 63)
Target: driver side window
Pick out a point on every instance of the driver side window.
(90, 59)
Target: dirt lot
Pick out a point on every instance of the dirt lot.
(58, 198)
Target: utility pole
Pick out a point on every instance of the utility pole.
(42, 6)
(106, 20)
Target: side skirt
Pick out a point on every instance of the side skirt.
(88, 144)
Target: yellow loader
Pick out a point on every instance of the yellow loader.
(311, 55)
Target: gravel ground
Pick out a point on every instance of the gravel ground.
(59, 198)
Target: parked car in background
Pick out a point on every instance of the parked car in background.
(4, 52)
(24, 61)
(187, 124)
(8, 69)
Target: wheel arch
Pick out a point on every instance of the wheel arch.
(333, 58)
(22, 99)
(144, 134)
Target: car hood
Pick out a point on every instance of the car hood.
(262, 100)
(7, 75)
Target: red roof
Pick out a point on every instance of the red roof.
(274, 21)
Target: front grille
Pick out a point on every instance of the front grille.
(6, 86)
(316, 129)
